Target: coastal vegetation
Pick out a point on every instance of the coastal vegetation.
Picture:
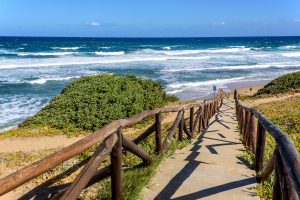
(282, 84)
(91, 102)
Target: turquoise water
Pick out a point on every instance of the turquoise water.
(33, 70)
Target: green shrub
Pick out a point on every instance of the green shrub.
(91, 102)
(281, 84)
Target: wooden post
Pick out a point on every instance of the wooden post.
(200, 120)
(181, 125)
(260, 147)
(136, 150)
(245, 123)
(191, 119)
(253, 134)
(249, 130)
(207, 115)
(204, 117)
(267, 170)
(89, 169)
(241, 119)
(158, 132)
(116, 169)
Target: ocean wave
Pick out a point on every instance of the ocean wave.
(289, 47)
(22, 63)
(291, 54)
(198, 51)
(166, 48)
(203, 83)
(236, 67)
(116, 53)
(46, 54)
(104, 47)
(16, 108)
(66, 48)
(44, 80)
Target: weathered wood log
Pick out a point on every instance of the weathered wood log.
(158, 133)
(241, 119)
(98, 176)
(20, 177)
(191, 120)
(245, 123)
(253, 134)
(116, 169)
(169, 136)
(144, 135)
(291, 160)
(200, 121)
(90, 168)
(249, 131)
(267, 170)
(136, 150)
(276, 194)
(286, 191)
(181, 127)
(186, 130)
(196, 124)
(260, 147)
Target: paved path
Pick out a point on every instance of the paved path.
(210, 168)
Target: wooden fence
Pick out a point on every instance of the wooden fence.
(112, 143)
(285, 159)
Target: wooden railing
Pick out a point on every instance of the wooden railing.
(112, 143)
(285, 159)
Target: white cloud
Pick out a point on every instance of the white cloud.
(219, 24)
(94, 23)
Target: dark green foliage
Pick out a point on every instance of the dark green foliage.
(91, 102)
(284, 83)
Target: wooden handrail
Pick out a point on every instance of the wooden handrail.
(30, 172)
(286, 154)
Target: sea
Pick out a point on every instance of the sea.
(35, 69)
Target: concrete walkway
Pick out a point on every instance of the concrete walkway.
(211, 167)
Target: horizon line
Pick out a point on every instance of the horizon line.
(150, 37)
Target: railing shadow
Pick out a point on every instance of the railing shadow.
(175, 183)
(217, 189)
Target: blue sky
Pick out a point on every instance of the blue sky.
(152, 18)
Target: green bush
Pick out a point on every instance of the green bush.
(283, 83)
(91, 102)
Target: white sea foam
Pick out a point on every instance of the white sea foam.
(198, 51)
(290, 47)
(66, 48)
(166, 48)
(291, 54)
(104, 47)
(15, 108)
(44, 80)
(203, 83)
(52, 62)
(45, 54)
(116, 53)
(236, 67)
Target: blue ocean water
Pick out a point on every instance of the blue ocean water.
(33, 70)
